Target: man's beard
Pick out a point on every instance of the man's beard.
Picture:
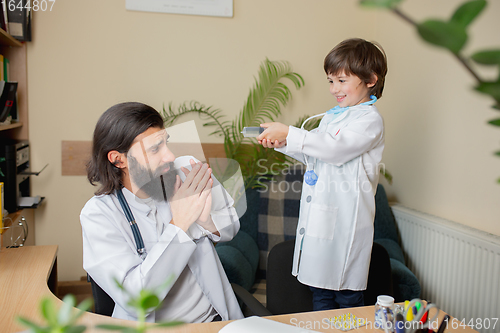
(158, 186)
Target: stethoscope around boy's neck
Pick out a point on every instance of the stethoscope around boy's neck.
(310, 177)
(338, 110)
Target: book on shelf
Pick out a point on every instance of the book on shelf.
(19, 20)
(2, 74)
(1, 209)
(3, 20)
(29, 15)
(7, 98)
(6, 69)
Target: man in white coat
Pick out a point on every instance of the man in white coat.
(178, 215)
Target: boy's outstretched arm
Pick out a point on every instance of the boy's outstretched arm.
(275, 136)
(274, 131)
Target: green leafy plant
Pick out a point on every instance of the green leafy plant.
(263, 104)
(62, 321)
(452, 35)
(144, 302)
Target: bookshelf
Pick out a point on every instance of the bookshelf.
(16, 52)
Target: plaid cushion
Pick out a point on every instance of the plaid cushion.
(279, 212)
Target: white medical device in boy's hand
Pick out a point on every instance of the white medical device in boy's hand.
(252, 132)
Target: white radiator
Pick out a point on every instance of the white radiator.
(458, 266)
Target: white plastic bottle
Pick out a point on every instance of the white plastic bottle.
(252, 132)
(384, 313)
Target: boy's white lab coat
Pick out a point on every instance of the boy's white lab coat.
(335, 228)
(109, 250)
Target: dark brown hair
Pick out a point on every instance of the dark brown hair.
(359, 57)
(117, 129)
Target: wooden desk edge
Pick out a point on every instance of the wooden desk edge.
(47, 257)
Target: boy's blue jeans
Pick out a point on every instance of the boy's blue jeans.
(325, 299)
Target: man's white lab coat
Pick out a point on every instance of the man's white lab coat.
(109, 250)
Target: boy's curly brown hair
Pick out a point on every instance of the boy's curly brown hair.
(359, 57)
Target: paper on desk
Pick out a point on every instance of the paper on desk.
(261, 325)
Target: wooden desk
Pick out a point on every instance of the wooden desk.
(29, 273)
(26, 275)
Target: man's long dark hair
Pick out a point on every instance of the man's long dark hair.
(117, 129)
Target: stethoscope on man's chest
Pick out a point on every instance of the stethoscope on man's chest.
(310, 177)
(139, 243)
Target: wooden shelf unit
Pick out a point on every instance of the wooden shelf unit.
(11, 126)
(8, 40)
(16, 52)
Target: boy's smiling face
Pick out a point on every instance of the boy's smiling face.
(349, 90)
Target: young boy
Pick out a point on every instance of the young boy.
(337, 209)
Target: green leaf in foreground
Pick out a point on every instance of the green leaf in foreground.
(489, 88)
(495, 122)
(149, 301)
(59, 321)
(31, 325)
(467, 12)
(444, 34)
(75, 329)
(117, 328)
(487, 57)
(380, 3)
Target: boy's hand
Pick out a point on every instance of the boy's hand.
(274, 132)
(269, 144)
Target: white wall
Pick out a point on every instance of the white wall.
(88, 55)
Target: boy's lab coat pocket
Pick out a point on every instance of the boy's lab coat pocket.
(322, 220)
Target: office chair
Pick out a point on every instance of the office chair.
(285, 294)
(103, 303)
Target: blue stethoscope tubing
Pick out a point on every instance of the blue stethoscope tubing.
(338, 110)
(141, 250)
